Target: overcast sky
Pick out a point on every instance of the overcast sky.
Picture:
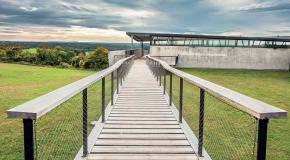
(108, 20)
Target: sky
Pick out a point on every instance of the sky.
(108, 20)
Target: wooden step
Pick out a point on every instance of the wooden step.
(140, 126)
(142, 136)
(136, 142)
(143, 149)
(142, 157)
(144, 131)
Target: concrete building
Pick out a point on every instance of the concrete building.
(208, 51)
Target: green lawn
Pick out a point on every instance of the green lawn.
(20, 83)
(31, 50)
(229, 132)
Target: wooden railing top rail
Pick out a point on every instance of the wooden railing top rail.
(252, 106)
(40, 106)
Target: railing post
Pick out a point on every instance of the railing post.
(155, 69)
(170, 90)
(180, 99)
(28, 139)
(262, 139)
(112, 88)
(121, 75)
(160, 74)
(164, 84)
(85, 122)
(103, 99)
(118, 81)
(201, 118)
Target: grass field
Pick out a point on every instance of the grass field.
(222, 122)
(31, 50)
(18, 84)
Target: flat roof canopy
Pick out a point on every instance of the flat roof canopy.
(147, 37)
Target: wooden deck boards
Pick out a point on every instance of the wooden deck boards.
(141, 125)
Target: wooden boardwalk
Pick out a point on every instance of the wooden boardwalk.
(141, 125)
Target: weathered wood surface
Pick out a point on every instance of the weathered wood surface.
(244, 103)
(40, 106)
(141, 125)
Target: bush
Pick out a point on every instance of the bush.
(53, 56)
(97, 59)
(57, 56)
(46, 56)
(78, 61)
(28, 57)
(65, 56)
(13, 54)
(2, 54)
(65, 65)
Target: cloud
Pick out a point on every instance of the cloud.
(118, 16)
(29, 9)
(73, 33)
(266, 7)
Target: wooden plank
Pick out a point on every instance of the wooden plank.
(142, 115)
(142, 157)
(134, 131)
(141, 94)
(141, 122)
(141, 98)
(142, 112)
(143, 149)
(136, 142)
(140, 126)
(141, 105)
(136, 97)
(142, 136)
(142, 109)
(142, 102)
(140, 119)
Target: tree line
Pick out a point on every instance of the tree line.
(57, 56)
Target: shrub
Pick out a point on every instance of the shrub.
(2, 54)
(78, 61)
(53, 56)
(97, 59)
(29, 57)
(57, 56)
(47, 56)
(14, 54)
(65, 65)
(64, 56)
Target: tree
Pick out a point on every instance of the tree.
(98, 59)
(2, 54)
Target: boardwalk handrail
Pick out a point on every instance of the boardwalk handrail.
(252, 106)
(258, 111)
(71, 115)
(39, 106)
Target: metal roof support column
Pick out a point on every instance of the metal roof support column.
(142, 48)
(131, 42)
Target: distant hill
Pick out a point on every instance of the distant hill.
(84, 46)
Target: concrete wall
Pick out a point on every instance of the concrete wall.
(226, 57)
(114, 56)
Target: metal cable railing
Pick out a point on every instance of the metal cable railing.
(228, 133)
(57, 125)
(228, 125)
